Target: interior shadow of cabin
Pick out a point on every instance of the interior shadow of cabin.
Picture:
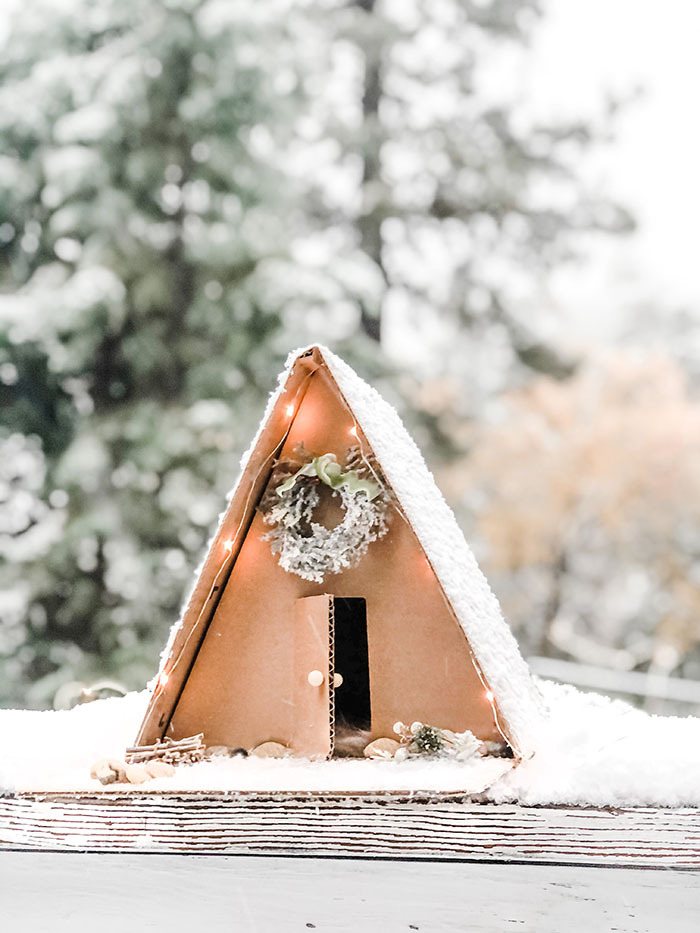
(352, 698)
(263, 654)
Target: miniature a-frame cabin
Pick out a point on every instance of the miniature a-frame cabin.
(338, 588)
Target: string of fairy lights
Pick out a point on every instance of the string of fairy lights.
(488, 693)
(228, 545)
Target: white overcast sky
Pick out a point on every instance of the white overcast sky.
(584, 49)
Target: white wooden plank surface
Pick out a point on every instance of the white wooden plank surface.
(350, 826)
(74, 893)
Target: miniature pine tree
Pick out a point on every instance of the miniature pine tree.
(428, 740)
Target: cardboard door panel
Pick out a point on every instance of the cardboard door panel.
(313, 633)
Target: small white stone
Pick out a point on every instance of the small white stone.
(137, 774)
(157, 769)
(116, 764)
(382, 748)
(270, 750)
(219, 751)
(102, 772)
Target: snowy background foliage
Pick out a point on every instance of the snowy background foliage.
(189, 188)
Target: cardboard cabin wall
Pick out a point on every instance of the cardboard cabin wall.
(245, 682)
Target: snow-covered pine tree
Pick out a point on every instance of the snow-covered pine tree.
(143, 229)
(458, 199)
(187, 189)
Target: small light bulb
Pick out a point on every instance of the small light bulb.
(489, 696)
(228, 545)
(353, 430)
(290, 410)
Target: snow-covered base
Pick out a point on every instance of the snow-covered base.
(590, 751)
(300, 775)
(600, 752)
(54, 748)
(53, 751)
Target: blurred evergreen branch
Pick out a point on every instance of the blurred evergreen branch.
(188, 189)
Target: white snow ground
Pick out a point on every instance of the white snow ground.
(590, 751)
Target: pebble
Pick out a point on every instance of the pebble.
(108, 770)
(102, 772)
(270, 750)
(219, 751)
(157, 769)
(137, 774)
(119, 766)
(382, 748)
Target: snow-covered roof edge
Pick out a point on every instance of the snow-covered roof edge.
(271, 402)
(475, 605)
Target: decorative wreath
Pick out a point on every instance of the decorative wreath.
(309, 549)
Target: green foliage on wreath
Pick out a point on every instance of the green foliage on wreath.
(304, 546)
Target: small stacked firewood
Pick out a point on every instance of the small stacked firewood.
(144, 762)
(172, 751)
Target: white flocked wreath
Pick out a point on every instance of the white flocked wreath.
(309, 549)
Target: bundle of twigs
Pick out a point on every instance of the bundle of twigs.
(174, 751)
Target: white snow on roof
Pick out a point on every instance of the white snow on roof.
(474, 604)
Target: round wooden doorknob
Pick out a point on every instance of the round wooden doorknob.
(337, 680)
(315, 678)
